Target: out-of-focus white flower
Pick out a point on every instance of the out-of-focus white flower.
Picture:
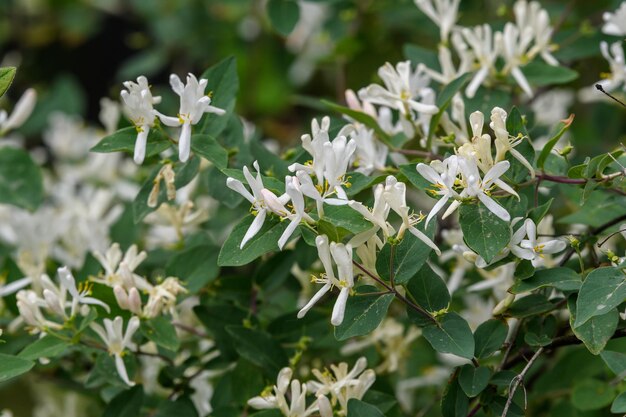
(343, 384)
(193, 104)
(392, 341)
(138, 107)
(443, 12)
(162, 297)
(342, 255)
(480, 39)
(117, 341)
(449, 71)
(68, 138)
(109, 114)
(22, 110)
(278, 397)
(383, 115)
(531, 17)
(614, 54)
(370, 154)
(29, 306)
(552, 107)
(119, 267)
(513, 44)
(615, 23)
(170, 222)
(262, 199)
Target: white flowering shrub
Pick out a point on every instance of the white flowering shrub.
(432, 246)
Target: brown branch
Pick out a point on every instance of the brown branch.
(519, 379)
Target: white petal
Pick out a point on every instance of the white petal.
(340, 307)
(254, 228)
(421, 236)
(121, 370)
(184, 142)
(319, 294)
(494, 207)
(140, 145)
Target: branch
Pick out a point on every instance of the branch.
(519, 379)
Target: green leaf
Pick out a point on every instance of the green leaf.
(12, 366)
(489, 337)
(603, 290)
(124, 141)
(474, 380)
(125, 404)
(363, 314)
(452, 335)
(196, 266)
(182, 407)
(591, 394)
(283, 14)
(454, 402)
(6, 78)
(619, 405)
(444, 98)
(616, 361)
(46, 347)
(259, 348)
(184, 173)
(530, 305)
(266, 240)
(429, 290)
(538, 213)
(408, 256)
(21, 182)
(162, 332)
(346, 218)
(361, 117)
(595, 332)
(540, 74)
(358, 408)
(207, 147)
(223, 85)
(563, 279)
(216, 318)
(411, 174)
(547, 148)
(515, 123)
(484, 232)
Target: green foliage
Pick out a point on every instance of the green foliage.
(124, 141)
(474, 380)
(483, 231)
(451, 334)
(6, 78)
(21, 182)
(363, 314)
(357, 408)
(489, 337)
(283, 14)
(429, 290)
(13, 366)
(126, 403)
(602, 291)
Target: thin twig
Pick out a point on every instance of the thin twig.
(519, 379)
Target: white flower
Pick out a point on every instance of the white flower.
(532, 16)
(278, 398)
(370, 154)
(193, 104)
(615, 23)
(343, 384)
(475, 186)
(162, 297)
(615, 56)
(342, 255)
(22, 110)
(109, 114)
(448, 70)
(293, 190)
(504, 142)
(138, 107)
(78, 297)
(531, 248)
(513, 44)
(120, 270)
(117, 341)
(394, 194)
(480, 39)
(402, 90)
(551, 108)
(29, 306)
(442, 12)
(444, 181)
(262, 199)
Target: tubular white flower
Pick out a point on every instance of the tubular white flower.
(69, 283)
(513, 44)
(119, 267)
(193, 104)
(138, 107)
(615, 23)
(474, 186)
(342, 256)
(402, 89)
(443, 182)
(296, 407)
(22, 110)
(370, 154)
(531, 248)
(442, 12)
(614, 54)
(117, 341)
(480, 39)
(261, 198)
(504, 142)
(530, 16)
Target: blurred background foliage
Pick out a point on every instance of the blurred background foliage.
(289, 54)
